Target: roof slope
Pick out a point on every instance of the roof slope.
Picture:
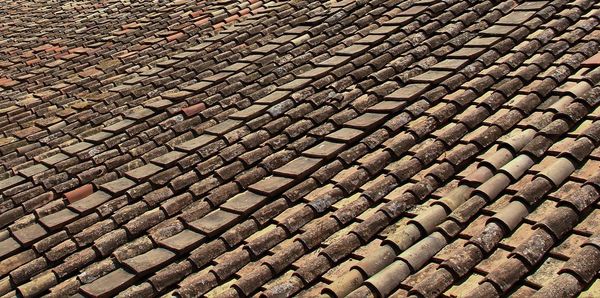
(274, 148)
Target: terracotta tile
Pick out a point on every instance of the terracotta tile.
(119, 126)
(58, 219)
(175, 94)
(387, 107)
(409, 92)
(398, 21)
(224, 127)
(498, 30)
(197, 87)
(8, 246)
(522, 233)
(139, 174)
(432, 77)
(182, 241)
(149, 261)
(467, 53)
(27, 235)
(516, 17)
(108, 285)
(249, 112)
(244, 203)
(214, 222)
(365, 121)
(271, 185)
(118, 186)
(522, 292)
(54, 159)
(79, 193)
(592, 61)
(353, 50)
(90, 202)
(335, 61)
(533, 5)
(325, 149)
(33, 170)
(270, 138)
(482, 42)
(345, 135)
(569, 247)
(273, 97)
(194, 109)
(547, 272)
(299, 167)
(465, 286)
(413, 10)
(336, 272)
(11, 181)
(590, 224)
(450, 64)
(168, 159)
(196, 143)
(315, 73)
(592, 291)
(295, 84)
(588, 169)
(371, 39)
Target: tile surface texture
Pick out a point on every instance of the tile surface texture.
(237, 148)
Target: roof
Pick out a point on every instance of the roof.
(299, 148)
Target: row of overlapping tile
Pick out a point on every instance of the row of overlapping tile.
(283, 156)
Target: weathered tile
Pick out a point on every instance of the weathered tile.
(118, 186)
(325, 149)
(271, 185)
(409, 92)
(299, 167)
(233, 153)
(214, 222)
(139, 174)
(149, 261)
(27, 235)
(182, 241)
(196, 143)
(244, 203)
(58, 219)
(109, 284)
(168, 159)
(90, 202)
